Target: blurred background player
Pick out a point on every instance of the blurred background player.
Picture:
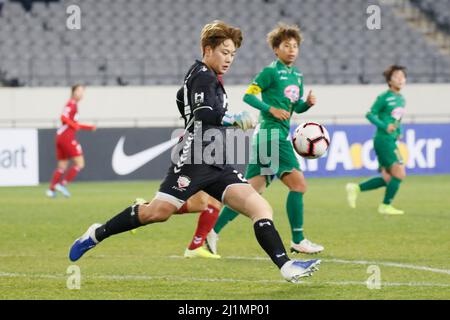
(206, 106)
(386, 114)
(67, 147)
(209, 212)
(281, 87)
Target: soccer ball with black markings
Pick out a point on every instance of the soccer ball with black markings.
(311, 140)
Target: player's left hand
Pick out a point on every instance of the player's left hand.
(391, 128)
(311, 99)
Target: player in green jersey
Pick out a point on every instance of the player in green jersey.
(386, 114)
(281, 87)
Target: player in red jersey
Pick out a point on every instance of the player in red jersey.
(67, 147)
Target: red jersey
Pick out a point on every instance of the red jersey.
(69, 120)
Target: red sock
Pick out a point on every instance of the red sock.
(57, 174)
(73, 171)
(206, 222)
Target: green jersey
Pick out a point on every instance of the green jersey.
(281, 87)
(389, 108)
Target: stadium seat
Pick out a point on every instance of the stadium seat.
(134, 36)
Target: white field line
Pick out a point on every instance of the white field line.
(218, 280)
(343, 261)
(193, 279)
(363, 262)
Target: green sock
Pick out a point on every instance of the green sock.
(371, 184)
(294, 207)
(226, 215)
(391, 190)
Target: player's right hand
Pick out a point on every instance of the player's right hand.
(391, 128)
(280, 114)
(311, 99)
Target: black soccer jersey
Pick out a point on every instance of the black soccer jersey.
(202, 97)
(202, 102)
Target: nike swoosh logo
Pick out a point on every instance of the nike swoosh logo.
(123, 164)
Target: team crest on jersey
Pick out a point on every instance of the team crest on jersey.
(183, 182)
(398, 113)
(292, 92)
(199, 97)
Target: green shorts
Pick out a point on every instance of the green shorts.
(265, 161)
(387, 152)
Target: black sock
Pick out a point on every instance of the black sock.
(270, 241)
(124, 221)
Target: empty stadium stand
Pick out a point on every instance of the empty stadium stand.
(153, 42)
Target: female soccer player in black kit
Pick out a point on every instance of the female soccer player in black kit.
(205, 107)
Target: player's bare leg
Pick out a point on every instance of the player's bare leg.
(74, 170)
(244, 199)
(63, 164)
(385, 175)
(258, 183)
(198, 202)
(156, 211)
(227, 215)
(296, 183)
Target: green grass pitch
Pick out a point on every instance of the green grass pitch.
(411, 252)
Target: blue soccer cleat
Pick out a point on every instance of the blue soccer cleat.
(84, 243)
(293, 270)
(63, 190)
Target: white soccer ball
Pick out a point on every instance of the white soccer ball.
(311, 140)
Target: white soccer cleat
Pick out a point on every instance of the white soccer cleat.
(306, 246)
(293, 270)
(352, 194)
(63, 190)
(50, 193)
(211, 241)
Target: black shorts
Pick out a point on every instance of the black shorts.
(182, 183)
